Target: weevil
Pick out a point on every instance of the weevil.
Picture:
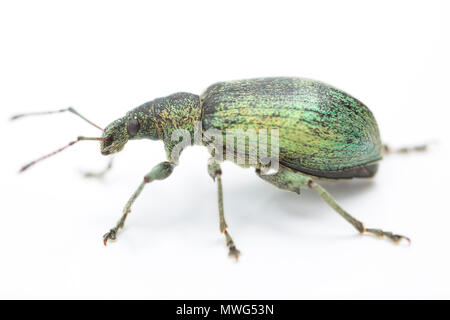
(323, 133)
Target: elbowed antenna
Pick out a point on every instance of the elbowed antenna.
(70, 109)
(58, 151)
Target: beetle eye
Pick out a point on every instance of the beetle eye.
(133, 127)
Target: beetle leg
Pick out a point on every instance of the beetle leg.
(100, 174)
(215, 172)
(291, 180)
(160, 172)
(356, 223)
(418, 148)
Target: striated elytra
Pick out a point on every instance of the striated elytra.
(320, 133)
(323, 131)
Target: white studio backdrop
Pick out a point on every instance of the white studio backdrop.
(107, 57)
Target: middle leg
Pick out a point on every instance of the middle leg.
(215, 172)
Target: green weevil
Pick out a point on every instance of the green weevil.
(323, 133)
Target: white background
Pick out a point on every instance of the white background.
(106, 57)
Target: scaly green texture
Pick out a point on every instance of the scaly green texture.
(322, 130)
(165, 115)
(157, 119)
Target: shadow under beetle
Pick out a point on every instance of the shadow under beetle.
(324, 133)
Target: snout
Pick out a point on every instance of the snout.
(108, 149)
(105, 152)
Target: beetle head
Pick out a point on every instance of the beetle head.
(137, 124)
(115, 137)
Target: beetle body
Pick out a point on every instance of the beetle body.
(324, 132)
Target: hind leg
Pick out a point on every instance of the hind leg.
(288, 179)
(418, 148)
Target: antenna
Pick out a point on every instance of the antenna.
(70, 109)
(25, 167)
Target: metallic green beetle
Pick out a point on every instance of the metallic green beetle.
(323, 133)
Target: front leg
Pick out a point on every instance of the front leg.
(159, 172)
(215, 172)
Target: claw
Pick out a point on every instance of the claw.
(396, 238)
(111, 235)
(234, 253)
